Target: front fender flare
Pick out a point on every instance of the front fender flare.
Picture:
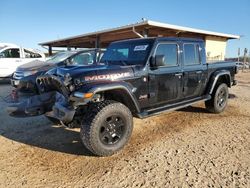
(114, 86)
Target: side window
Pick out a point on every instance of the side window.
(170, 52)
(83, 59)
(29, 54)
(191, 54)
(11, 53)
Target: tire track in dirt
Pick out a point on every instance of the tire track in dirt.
(152, 130)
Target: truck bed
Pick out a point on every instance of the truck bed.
(215, 66)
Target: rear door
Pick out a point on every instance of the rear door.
(29, 56)
(165, 82)
(193, 70)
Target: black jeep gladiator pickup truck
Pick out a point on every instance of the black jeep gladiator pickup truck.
(138, 78)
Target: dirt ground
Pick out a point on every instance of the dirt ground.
(185, 148)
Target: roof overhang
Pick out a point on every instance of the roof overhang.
(145, 28)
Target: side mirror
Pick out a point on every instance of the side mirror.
(2, 55)
(158, 61)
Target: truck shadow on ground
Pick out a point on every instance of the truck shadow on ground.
(4, 82)
(45, 136)
(195, 109)
(199, 109)
(41, 133)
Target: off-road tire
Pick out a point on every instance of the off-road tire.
(94, 121)
(212, 104)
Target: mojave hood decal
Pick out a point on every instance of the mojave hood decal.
(113, 76)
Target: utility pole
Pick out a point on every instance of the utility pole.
(238, 54)
(249, 60)
(245, 59)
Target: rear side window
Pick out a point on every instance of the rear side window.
(191, 54)
(170, 52)
(11, 53)
(29, 54)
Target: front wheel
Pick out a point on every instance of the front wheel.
(218, 102)
(107, 127)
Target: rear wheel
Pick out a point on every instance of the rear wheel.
(218, 102)
(106, 128)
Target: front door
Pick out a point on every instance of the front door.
(165, 82)
(9, 61)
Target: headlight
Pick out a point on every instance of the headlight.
(83, 95)
(28, 73)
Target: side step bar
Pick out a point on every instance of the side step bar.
(172, 107)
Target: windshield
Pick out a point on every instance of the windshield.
(60, 56)
(127, 53)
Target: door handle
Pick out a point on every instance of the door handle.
(198, 72)
(178, 74)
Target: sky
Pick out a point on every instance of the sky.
(29, 22)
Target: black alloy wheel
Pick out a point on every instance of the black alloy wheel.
(112, 130)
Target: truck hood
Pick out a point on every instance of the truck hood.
(36, 65)
(95, 73)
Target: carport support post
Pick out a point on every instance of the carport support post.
(50, 50)
(145, 33)
(97, 42)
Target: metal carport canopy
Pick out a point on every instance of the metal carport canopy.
(146, 28)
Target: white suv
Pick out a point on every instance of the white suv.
(12, 56)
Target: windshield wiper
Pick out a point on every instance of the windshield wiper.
(115, 62)
(106, 62)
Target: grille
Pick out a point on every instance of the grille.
(48, 83)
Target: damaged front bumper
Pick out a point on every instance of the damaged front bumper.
(54, 101)
(62, 113)
(52, 104)
(32, 105)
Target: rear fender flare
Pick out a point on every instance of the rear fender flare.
(215, 77)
